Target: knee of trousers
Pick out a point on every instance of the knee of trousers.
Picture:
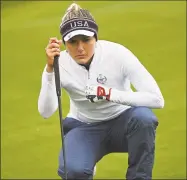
(145, 117)
(75, 171)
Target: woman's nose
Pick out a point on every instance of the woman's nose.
(80, 46)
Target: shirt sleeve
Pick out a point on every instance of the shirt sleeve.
(147, 92)
(47, 101)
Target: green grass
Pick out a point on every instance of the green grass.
(154, 31)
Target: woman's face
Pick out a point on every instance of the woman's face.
(81, 48)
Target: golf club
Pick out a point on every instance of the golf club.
(58, 91)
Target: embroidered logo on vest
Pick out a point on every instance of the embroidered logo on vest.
(101, 79)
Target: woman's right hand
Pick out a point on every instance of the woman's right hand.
(52, 50)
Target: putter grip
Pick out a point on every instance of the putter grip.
(57, 75)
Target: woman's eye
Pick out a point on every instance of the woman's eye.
(86, 40)
(72, 41)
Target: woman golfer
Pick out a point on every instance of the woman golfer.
(105, 114)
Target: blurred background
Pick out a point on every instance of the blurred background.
(155, 31)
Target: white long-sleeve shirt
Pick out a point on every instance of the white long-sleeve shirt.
(113, 66)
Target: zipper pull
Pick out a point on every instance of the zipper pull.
(88, 74)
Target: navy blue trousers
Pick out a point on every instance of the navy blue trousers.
(132, 132)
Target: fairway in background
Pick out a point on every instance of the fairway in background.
(154, 31)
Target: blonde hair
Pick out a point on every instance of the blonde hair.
(75, 11)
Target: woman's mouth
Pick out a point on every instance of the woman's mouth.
(80, 56)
